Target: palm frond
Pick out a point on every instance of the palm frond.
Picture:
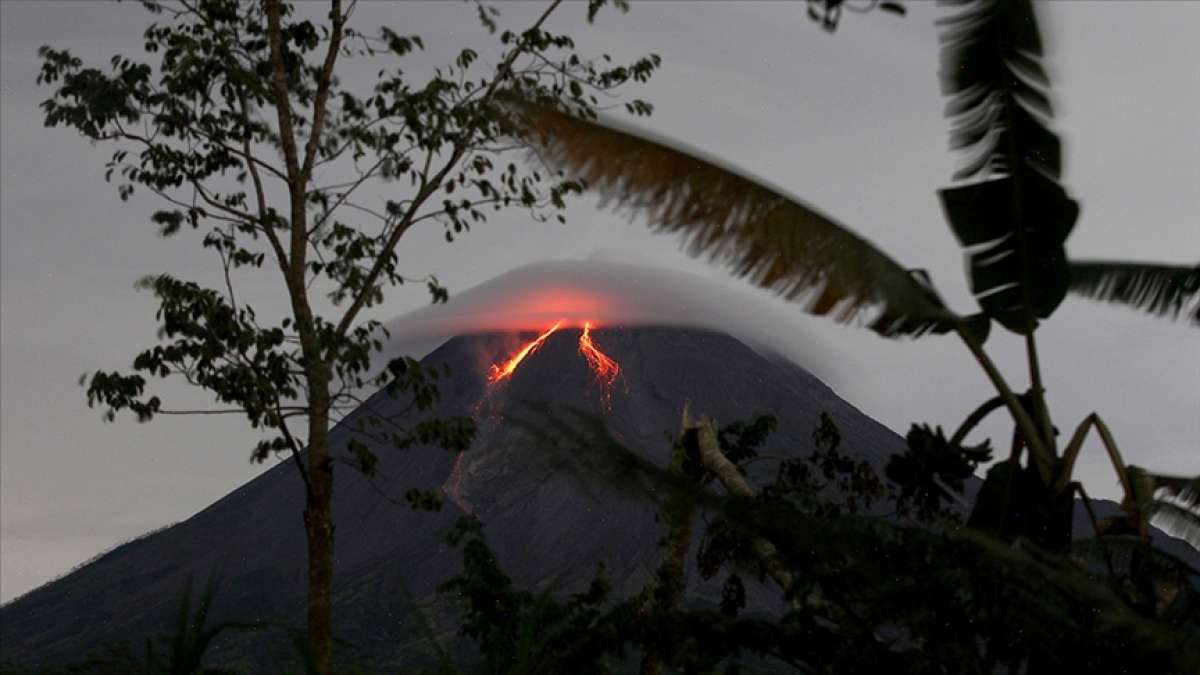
(1164, 290)
(1013, 217)
(760, 233)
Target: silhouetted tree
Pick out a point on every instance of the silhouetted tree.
(231, 126)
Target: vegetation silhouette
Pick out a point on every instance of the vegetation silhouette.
(862, 587)
(235, 127)
(1008, 210)
(866, 589)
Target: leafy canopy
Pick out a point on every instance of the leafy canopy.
(203, 126)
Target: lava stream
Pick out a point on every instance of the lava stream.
(605, 368)
(500, 371)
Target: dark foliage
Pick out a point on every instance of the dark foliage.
(931, 471)
(871, 594)
(518, 631)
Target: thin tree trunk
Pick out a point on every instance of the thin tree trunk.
(673, 572)
(320, 584)
(715, 461)
(318, 525)
(318, 522)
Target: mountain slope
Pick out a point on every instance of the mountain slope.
(548, 529)
(548, 526)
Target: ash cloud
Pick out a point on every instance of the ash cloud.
(609, 295)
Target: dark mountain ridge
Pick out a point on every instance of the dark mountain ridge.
(549, 528)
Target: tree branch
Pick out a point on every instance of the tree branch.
(283, 103)
(428, 189)
(343, 196)
(294, 446)
(715, 461)
(280, 255)
(323, 84)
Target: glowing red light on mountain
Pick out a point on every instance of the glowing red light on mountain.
(500, 371)
(605, 369)
(603, 366)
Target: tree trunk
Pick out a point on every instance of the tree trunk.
(320, 584)
(716, 462)
(318, 525)
(318, 522)
(672, 575)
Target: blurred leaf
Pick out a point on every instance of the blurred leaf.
(1018, 267)
(1165, 290)
(773, 240)
(1015, 217)
(1176, 511)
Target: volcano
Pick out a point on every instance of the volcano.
(548, 526)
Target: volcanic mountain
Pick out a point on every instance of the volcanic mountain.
(549, 526)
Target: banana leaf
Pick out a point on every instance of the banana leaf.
(1011, 215)
(760, 232)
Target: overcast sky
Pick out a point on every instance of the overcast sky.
(849, 122)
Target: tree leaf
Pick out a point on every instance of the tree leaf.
(1018, 266)
(1176, 519)
(1014, 217)
(363, 455)
(1174, 506)
(759, 232)
(1165, 290)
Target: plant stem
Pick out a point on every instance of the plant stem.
(1037, 449)
(1087, 504)
(975, 418)
(1039, 393)
(1046, 432)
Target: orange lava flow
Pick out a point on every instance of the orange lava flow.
(605, 368)
(502, 370)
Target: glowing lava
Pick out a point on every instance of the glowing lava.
(500, 371)
(605, 368)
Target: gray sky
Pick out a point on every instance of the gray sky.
(850, 123)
